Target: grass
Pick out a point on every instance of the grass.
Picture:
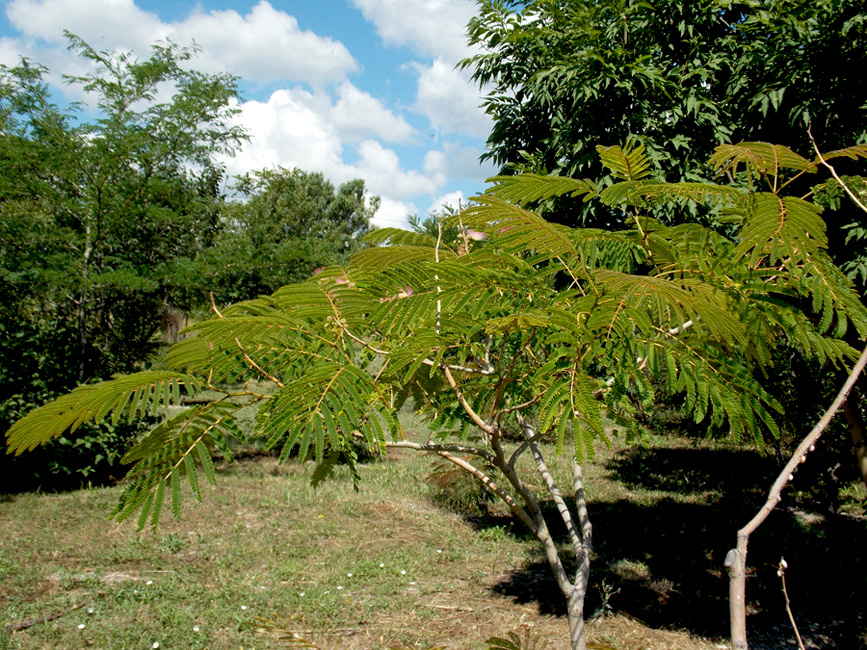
(385, 565)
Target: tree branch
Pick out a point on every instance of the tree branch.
(736, 558)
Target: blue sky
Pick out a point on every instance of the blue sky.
(350, 88)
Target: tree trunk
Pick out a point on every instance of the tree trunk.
(575, 613)
(736, 559)
(856, 431)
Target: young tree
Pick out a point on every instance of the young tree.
(542, 330)
(95, 202)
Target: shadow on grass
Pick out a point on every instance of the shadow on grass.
(661, 559)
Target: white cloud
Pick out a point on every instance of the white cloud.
(450, 199)
(358, 115)
(450, 101)
(106, 24)
(432, 28)
(380, 168)
(393, 213)
(292, 129)
(264, 45)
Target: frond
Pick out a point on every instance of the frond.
(855, 152)
(523, 189)
(629, 162)
(655, 305)
(779, 228)
(166, 457)
(632, 192)
(324, 409)
(136, 395)
(517, 230)
(400, 237)
(758, 159)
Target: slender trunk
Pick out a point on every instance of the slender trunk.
(736, 559)
(82, 305)
(856, 431)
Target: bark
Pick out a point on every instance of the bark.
(856, 431)
(736, 559)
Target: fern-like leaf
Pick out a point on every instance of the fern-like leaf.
(629, 162)
(524, 189)
(136, 395)
(758, 159)
(168, 454)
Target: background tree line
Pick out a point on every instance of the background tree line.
(114, 222)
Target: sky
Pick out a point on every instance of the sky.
(349, 88)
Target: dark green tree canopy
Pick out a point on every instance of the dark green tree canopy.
(565, 75)
(287, 224)
(97, 202)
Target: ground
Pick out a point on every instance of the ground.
(266, 555)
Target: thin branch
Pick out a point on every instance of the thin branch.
(736, 558)
(214, 307)
(542, 468)
(437, 448)
(256, 366)
(484, 426)
(834, 173)
(490, 485)
(781, 571)
(23, 625)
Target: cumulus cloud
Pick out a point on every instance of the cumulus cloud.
(264, 45)
(393, 213)
(358, 115)
(432, 28)
(450, 101)
(293, 129)
(450, 200)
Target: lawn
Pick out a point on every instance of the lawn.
(386, 566)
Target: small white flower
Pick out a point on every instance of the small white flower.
(339, 587)
(90, 610)
(149, 582)
(243, 607)
(81, 626)
(783, 563)
(301, 594)
(412, 583)
(403, 573)
(156, 644)
(195, 628)
(439, 550)
(779, 573)
(381, 565)
(348, 575)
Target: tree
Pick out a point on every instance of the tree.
(95, 202)
(290, 223)
(539, 332)
(683, 77)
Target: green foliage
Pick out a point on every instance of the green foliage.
(569, 326)
(289, 224)
(514, 641)
(98, 202)
(682, 77)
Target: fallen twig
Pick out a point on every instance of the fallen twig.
(23, 625)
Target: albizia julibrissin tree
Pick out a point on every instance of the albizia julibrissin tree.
(542, 329)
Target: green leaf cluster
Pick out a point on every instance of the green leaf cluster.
(570, 328)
